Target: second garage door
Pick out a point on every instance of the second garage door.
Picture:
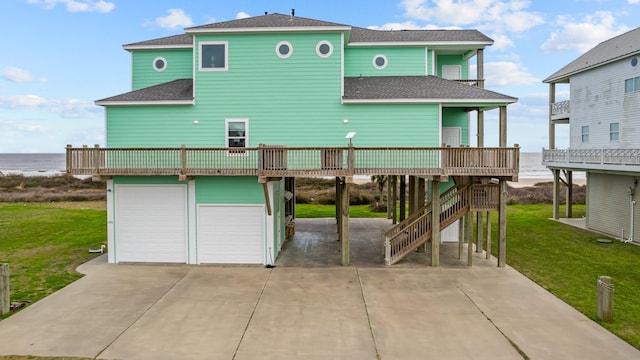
(231, 234)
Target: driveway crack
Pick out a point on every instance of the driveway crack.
(253, 311)
(143, 313)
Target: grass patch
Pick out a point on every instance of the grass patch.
(567, 262)
(329, 211)
(44, 244)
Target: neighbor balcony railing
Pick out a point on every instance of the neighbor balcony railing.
(589, 158)
(278, 161)
(560, 110)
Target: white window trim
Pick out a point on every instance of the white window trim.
(583, 134)
(226, 56)
(287, 55)
(163, 60)
(246, 136)
(616, 132)
(324, 42)
(373, 61)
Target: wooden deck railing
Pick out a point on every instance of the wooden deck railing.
(280, 161)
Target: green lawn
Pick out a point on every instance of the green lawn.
(567, 262)
(43, 245)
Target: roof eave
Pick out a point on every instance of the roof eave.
(474, 44)
(443, 101)
(156, 47)
(145, 103)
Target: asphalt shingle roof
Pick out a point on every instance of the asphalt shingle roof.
(416, 87)
(267, 21)
(359, 34)
(182, 39)
(176, 90)
(613, 49)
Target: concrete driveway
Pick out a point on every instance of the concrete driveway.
(206, 312)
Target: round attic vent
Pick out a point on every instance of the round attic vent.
(634, 61)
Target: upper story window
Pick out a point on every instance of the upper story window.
(324, 49)
(585, 133)
(284, 49)
(632, 85)
(236, 134)
(213, 55)
(614, 131)
(380, 62)
(159, 64)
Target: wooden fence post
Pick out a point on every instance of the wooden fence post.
(605, 298)
(4, 289)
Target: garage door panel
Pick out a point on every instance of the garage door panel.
(231, 234)
(150, 223)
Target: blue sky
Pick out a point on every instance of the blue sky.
(58, 56)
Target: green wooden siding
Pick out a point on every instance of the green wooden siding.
(228, 190)
(179, 65)
(146, 180)
(294, 101)
(453, 60)
(401, 61)
(457, 118)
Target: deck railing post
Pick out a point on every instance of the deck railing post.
(351, 159)
(183, 159)
(96, 158)
(69, 157)
(85, 157)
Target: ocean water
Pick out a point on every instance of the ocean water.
(55, 164)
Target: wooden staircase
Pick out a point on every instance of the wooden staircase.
(415, 230)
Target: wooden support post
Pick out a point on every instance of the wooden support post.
(488, 235)
(412, 193)
(569, 203)
(479, 231)
(69, 159)
(556, 193)
(502, 224)
(4, 289)
(468, 231)
(435, 223)
(403, 197)
(460, 236)
(344, 224)
(421, 193)
(339, 208)
(394, 195)
(388, 197)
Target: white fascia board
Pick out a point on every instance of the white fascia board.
(143, 103)
(444, 102)
(269, 29)
(433, 44)
(156, 47)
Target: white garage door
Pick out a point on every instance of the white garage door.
(231, 234)
(150, 223)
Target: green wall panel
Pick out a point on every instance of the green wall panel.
(453, 60)
(401, 61)
(228, 190)
(457, 118)
(179, 66)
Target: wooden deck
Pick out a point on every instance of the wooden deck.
(281, 161)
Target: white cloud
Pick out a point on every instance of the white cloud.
(176, 18)
(15, 74)
(504, 73)
(407, 25)
(77, 5)
(67, 108)
(584, 34)
(487, 14)
(633, 1)
(242, 15)
(501, 42)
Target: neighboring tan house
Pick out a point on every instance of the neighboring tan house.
(603, 112)
(201, 156)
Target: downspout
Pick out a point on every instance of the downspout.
(632, 204)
